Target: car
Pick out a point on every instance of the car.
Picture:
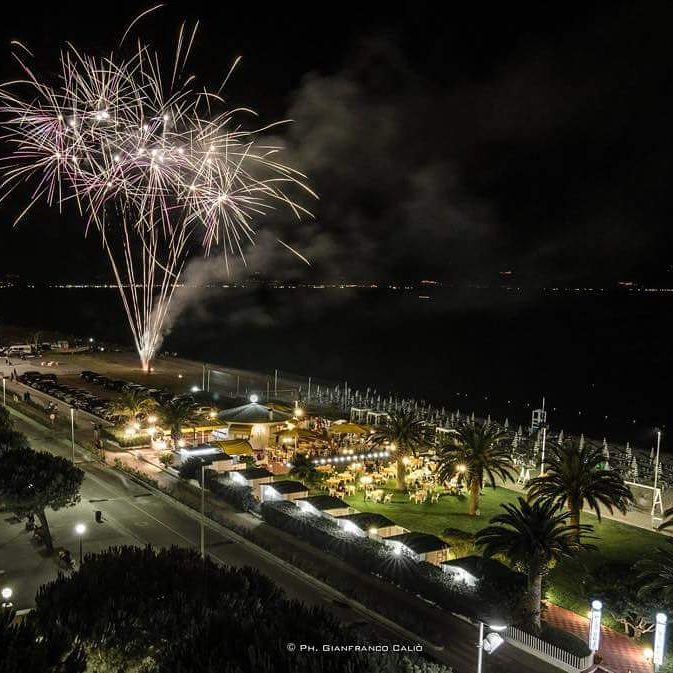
(28, 376)
(117, 385)
(87, 375)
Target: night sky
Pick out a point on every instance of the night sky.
(450, 144)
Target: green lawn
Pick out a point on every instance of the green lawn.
(616, 541)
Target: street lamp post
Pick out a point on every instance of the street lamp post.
(544, 445)
(6, 594)
(489, 643)
(203, 510)
(80, 529)
(72, 432)
(656, 473)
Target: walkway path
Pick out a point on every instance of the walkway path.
(620, 653)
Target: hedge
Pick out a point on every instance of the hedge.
(238, 495)
(423, 579)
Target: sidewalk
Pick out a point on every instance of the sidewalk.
(620, 653)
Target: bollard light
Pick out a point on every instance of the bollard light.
(595, 625)
(659, 639)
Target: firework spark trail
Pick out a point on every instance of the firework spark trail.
(151, 167)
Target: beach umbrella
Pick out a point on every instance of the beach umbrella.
(348, 428)
(506, 424)
(560, 437)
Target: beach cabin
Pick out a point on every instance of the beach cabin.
(370, 523)
(212, 456)
(254, 477)
(420, 546)
(283, 490)
(324, 505)
(254, 423)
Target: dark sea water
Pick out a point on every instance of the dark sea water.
(603, 360)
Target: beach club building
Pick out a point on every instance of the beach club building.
(255, 423)
(370, 524)
(323, 505)
(213, 457)
(420, 546)
(283, 490)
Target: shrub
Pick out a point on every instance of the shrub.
(375, 558)
(237, 495)
(166, 458)
(190, 469)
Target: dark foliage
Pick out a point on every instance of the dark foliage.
(21, 651)
(237, 495)
(191, 616)
(373, 557)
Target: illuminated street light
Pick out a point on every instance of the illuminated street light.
(254, 399)
(80, 529)
(6, 594)
(489, 643)
(659, 640)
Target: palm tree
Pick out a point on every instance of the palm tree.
(131, 404)
(574, 478)
(304, 469)
(405, 434)
(655, 574)
(480, 452)
(532, 536)
(177, 414)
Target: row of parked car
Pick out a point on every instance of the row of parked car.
(75, 397)
(159, 396)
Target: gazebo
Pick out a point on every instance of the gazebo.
(254, 422)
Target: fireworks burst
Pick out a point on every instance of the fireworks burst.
(156, 167)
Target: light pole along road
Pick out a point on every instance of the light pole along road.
(134, 515)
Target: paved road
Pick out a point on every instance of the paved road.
(133, 515)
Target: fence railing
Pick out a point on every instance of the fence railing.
(552, 653)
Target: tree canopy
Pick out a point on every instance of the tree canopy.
(532, 536)
(404, 434)
(33, 481)
(10, 438)
(479, 452)
(575, 478)
(173, 612)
